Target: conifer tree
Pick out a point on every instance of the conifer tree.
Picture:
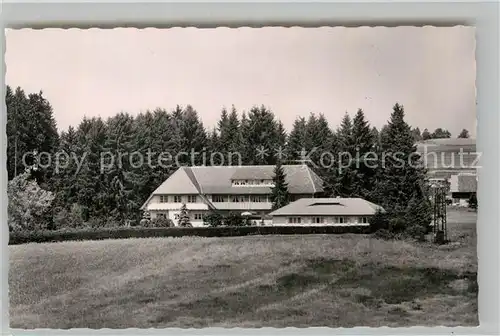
(463, 134)
(215, 146)
(401, 172)
(122, 179)
(184, 220)
(417, 136)
(245, 144)
(233, 132)
(440, 133)
(376, 136)
(30, 127)
(261, 136)
(341, 181)
(418, 214)
(279, 192)
(280, 147)
(320, 145)
(296, 140)
(364, 169)
(90, 184)
(194, 135)
(426, 135)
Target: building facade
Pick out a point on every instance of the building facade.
(225, 189)
(326, 211)
(452, 162)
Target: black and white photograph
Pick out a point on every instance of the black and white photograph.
(242, 177)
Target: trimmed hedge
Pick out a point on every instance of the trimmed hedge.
(123, 233)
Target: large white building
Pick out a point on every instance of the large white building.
(237, 189)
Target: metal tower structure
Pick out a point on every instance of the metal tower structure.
(440, 229)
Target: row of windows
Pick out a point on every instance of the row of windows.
(252, 182)
(178, 199)
(322, 220)
(196, 216)
(216, 198)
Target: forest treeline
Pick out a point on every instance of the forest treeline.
(91, 196)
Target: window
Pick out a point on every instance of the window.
(339, 220)
(258, 199)
(363, 220)
(294, 220)
(163, 199)
(238, 199)
(317, 220)
(177, 199)
(161, 215)
(218, 198)
(198, 216)
(192, 199)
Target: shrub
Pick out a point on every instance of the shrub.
(61, 218)
(417, 232)
(27, 204)
(473, 201)
(213, 219)
(68, 219)
(96, 222)
(162, 222)
(380, 221)
(397, 225)
(145, 222)
(233, 219)
(124, 232)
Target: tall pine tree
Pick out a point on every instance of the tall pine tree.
(364, 169)
(400, 174)
(279, 192)
(296, 139)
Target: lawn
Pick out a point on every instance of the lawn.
(272, 281)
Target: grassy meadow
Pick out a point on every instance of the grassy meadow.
(274, 281)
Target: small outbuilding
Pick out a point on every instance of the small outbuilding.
(326, 211)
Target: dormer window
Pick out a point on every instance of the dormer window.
(252, 183)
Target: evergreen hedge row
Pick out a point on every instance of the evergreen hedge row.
(123, 233)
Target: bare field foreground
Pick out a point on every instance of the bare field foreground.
(258, 281)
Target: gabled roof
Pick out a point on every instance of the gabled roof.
(328, 207)
(180, 182)
(218, 180)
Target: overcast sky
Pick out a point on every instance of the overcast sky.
(293, 71)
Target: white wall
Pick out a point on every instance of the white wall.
(328, 220)
(172, 216)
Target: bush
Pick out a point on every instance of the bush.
(72, 219)
(96, 222)
(417, 232)
(213, 219)
(234, 219)
(397, 225)
(61, 218)
(145, 222)
(124, 232)
(159, 222)
(380, 221)
(473, 201)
